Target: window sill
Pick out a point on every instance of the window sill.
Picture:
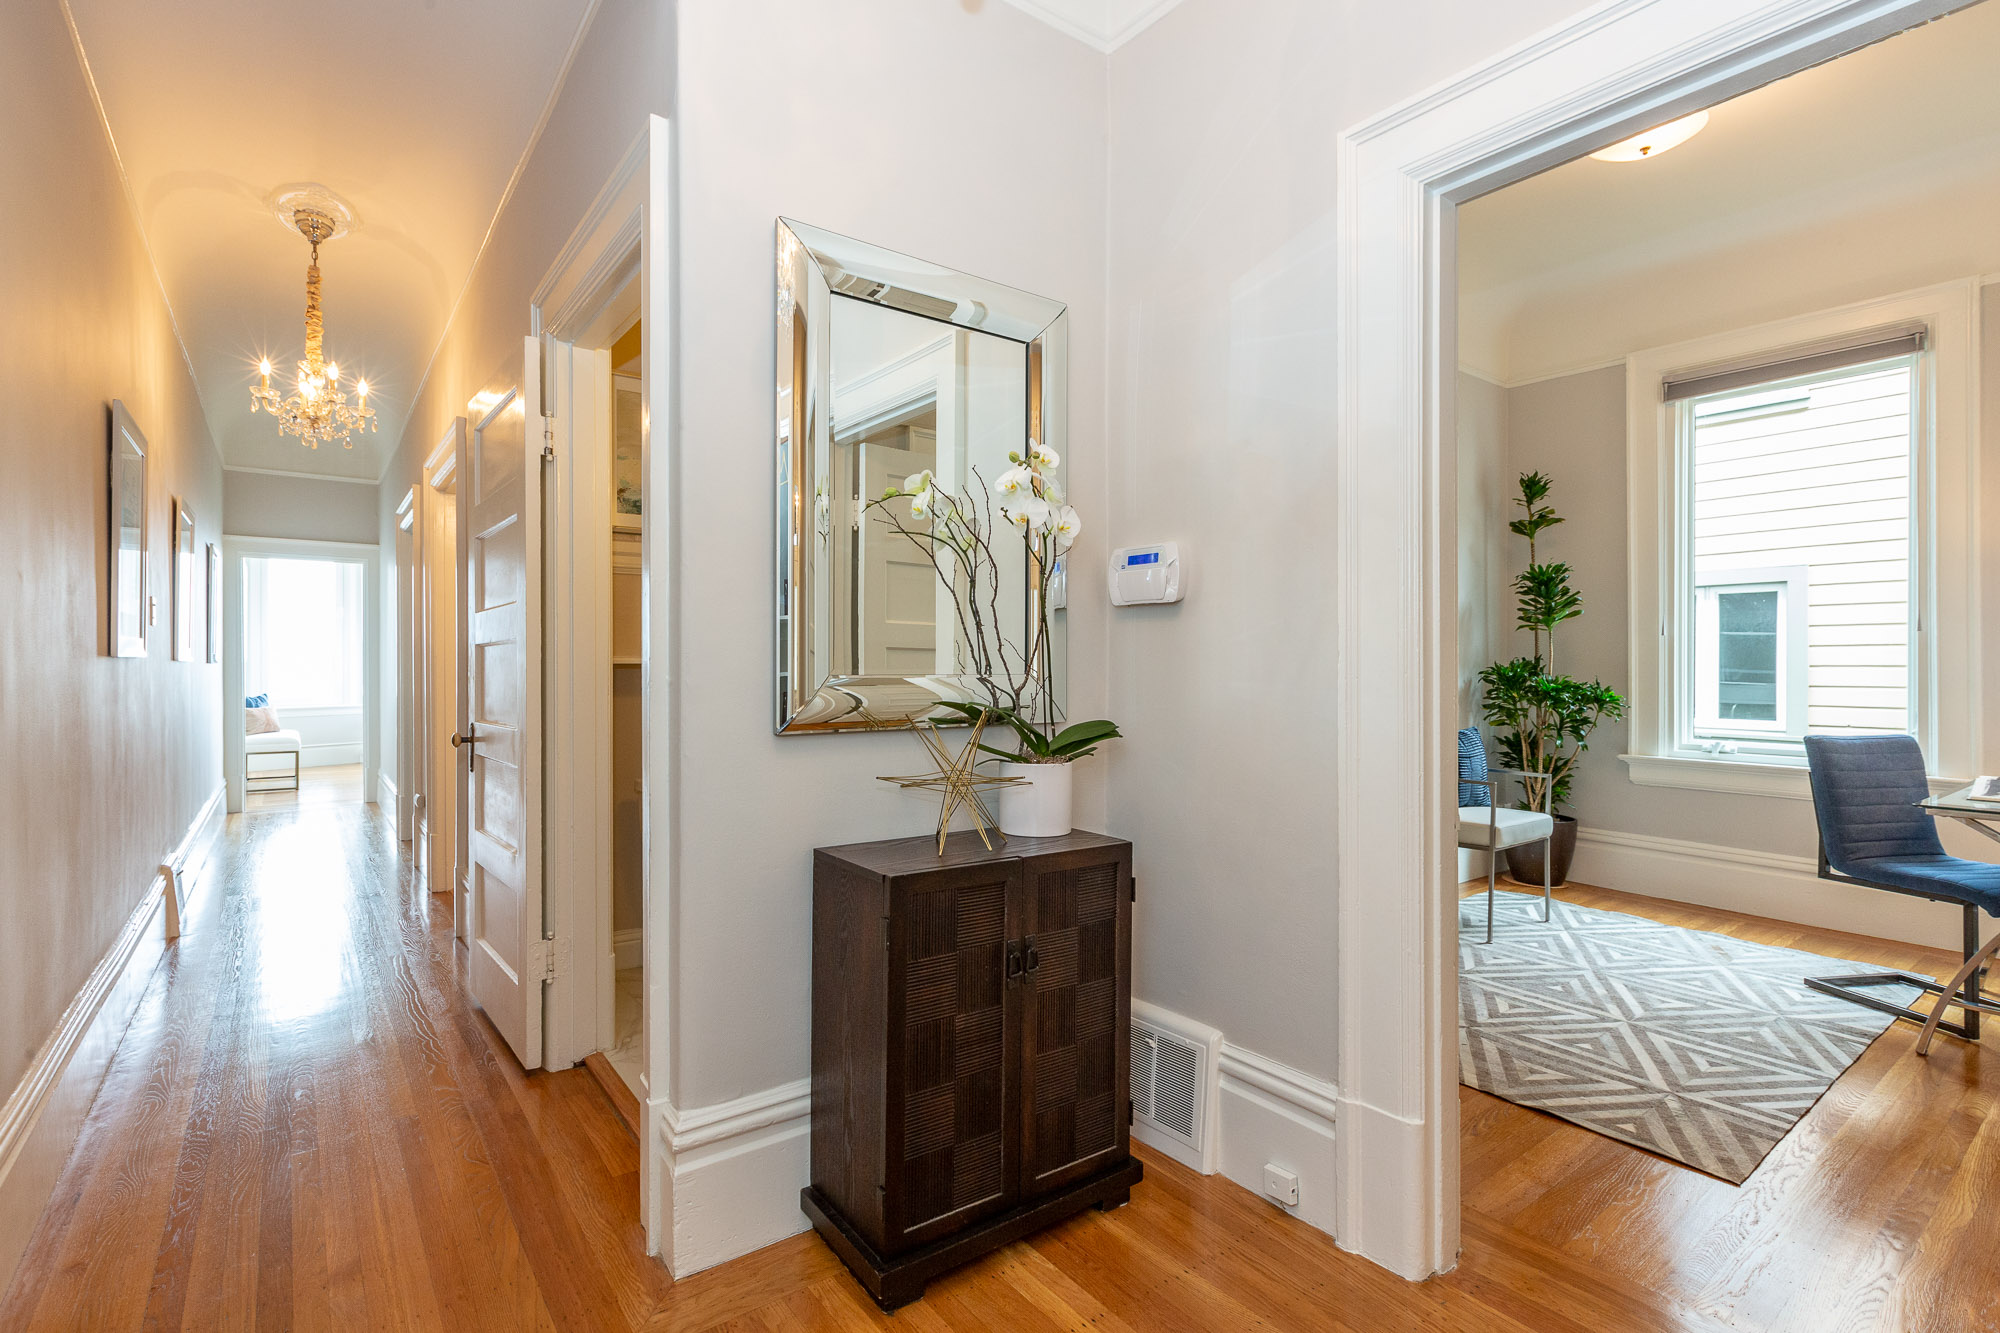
(1737, 777)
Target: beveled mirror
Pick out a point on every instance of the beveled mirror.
(889, 367)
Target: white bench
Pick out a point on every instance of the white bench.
(283, 741)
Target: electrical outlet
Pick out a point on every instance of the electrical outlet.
(1281, 1185)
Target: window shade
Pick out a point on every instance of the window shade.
(1879, 345)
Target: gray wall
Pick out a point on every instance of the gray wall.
(1223, 127)
(107, 759)
(265, 504)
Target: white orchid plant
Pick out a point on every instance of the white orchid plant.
(959, 535)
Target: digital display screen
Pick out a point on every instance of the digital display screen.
(1149, 558)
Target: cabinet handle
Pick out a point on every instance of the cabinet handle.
(1034, 959)
(1015, 967)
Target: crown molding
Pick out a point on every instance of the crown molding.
(302, 476)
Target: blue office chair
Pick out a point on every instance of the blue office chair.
(1865, 793)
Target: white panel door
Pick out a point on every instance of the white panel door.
(502, 599)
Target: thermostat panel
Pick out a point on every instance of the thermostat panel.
(1146, 575)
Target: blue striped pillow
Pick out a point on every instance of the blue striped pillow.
(264, 701)
(1472, 764)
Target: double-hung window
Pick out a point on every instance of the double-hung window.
(1802, 527)
(1798, 525)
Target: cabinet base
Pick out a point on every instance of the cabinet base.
(898, 1281)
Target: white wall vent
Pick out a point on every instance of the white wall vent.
(1174, 1080)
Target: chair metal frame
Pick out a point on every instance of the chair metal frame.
(1964, 990)
(1493, 849)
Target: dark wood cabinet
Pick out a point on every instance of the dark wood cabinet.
(970, 1047)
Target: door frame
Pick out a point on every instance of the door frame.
(436, 490)
(623, 234)
(1609, 73)
(235, 550)
(408, 611)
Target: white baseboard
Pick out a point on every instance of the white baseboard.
(1768, 884)
(1272, 1113)
(41, 1118)
(730, 1174)
(385, 796)
(628, 948)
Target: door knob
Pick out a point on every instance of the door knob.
(468, 740)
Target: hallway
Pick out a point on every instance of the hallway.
(308, 1126)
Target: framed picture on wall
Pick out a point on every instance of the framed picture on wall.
(127, 536)
(187, 584)
(627, 410)
(214, 602)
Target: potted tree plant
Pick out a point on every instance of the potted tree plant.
(1543, 719)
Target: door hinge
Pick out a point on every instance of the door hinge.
(548, 439)
(548, 958)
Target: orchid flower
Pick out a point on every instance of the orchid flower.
(1067, 524)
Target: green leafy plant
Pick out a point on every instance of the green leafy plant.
(1037, 746)
(1543, 719)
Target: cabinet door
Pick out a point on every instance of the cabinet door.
(952, 1107)
(1076, 1018)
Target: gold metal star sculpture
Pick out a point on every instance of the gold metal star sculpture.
(956, 778)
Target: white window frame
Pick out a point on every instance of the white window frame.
(1705, 730)
(1945, 703)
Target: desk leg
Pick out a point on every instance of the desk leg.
(1972, 982)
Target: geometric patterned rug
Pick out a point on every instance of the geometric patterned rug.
(1696, 1046)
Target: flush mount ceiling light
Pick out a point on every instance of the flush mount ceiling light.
(318, 411)
(1654, 141)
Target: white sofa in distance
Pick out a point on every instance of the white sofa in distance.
(282, 741)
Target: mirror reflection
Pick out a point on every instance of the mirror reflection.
(912, 395)
(906, 395)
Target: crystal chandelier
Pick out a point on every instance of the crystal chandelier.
(319, 411)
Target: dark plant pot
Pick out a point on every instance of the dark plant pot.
(1525, 863)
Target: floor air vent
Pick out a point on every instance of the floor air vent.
(1170, 1078)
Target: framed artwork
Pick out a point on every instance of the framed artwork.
(214, 602)
(127, 531)
(628, 404)
(187, 584)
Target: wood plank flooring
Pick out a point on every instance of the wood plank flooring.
(309, 1127)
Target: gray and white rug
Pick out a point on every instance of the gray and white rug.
(1693, 1045)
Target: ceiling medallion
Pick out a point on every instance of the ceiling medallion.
(318, 411)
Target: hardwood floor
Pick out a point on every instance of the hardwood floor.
(309, 1127)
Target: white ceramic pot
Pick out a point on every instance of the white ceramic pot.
(1037, 807)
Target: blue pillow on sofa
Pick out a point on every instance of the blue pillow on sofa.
(264, 701)
(1472, 764)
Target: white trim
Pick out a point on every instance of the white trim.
(1765, 884)
(301, 476)
(733, 1171)
(1301, 1091)
(576, 312)
(1276, 1115)
(1945, 678)
(627, 949)
(385, 796)
(1602, 76)
(43, 1116)
(1738, 777)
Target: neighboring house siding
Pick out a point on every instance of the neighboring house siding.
(1828, 488)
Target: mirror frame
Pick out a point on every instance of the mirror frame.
(814, 266)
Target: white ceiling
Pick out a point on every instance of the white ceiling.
(1817, 178)
(1104, 24)
(417, 114)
